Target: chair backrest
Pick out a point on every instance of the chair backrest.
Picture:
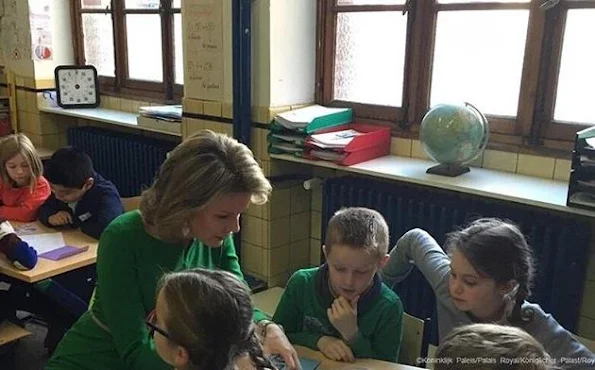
(131, 203)
(412, 342)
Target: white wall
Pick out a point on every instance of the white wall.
(293, 51)
(61, 39)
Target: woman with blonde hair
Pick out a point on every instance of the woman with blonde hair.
(23, 189)
(186, 220)
(491, 347)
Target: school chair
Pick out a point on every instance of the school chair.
(131, 203)
(412, 342)
(431, 354)
(267, 300)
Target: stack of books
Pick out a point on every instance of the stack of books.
(290, 130)
(167, 118)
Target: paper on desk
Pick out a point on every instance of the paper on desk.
(46, 242)
(27, 229)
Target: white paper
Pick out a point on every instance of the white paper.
(45, 242)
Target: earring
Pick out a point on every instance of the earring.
(185, 231)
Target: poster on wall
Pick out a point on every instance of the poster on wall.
(41, 30)
(203, 49)
(16, 41)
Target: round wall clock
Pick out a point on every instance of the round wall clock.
(77, 86)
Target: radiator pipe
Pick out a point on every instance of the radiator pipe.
(313, 183)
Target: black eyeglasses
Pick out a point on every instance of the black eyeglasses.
(150, 321)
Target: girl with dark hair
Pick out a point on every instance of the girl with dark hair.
(485, 278)
(203, 321)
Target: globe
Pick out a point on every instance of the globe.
(453, 135)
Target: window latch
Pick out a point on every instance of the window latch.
(548, 4)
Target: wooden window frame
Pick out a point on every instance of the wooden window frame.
(120, 84)
(533, 128)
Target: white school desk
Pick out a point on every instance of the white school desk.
(47, 268)
(359, 364)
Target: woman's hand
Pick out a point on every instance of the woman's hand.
(275, 342)
(335, 349)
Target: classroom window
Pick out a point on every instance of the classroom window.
(526, 64)
(113, 35)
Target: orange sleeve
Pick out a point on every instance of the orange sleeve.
(27, 208)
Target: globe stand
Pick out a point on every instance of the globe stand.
(450, 170)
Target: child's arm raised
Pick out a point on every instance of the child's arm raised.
(417, 248)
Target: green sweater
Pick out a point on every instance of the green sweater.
(302, 311)
(129, 265)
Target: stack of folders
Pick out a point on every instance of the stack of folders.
(289, 130)
(330, 146)
(581, 187)
(167, 118)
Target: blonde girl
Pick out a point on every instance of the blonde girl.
(23, 189)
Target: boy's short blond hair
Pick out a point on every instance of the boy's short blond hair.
(495, 346)
(358, 227)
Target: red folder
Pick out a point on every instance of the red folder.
(373, 143)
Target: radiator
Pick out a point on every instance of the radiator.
(129, 161)
(560, 241)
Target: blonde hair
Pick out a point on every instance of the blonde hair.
(202, 168)
(13, 145)
(497, 346)
(358, 227)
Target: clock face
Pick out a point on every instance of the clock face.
(77, 86)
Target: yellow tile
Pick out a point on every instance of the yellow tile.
(126, 105)
(227, 110)
(194, 125)
(113, 103)
(316, 197)
(500, 161)
(22, 100)
(417, 151)
(280, 203)
(279, 260)
(45, 84)
(52, 124)
(103, 101)
(274, 111)
(533, 165)
(35, 138)
(252, 258)
(400, 146)
(300, 199)
(54, 141)
(588, 305)
(260, 114)
(136, 104)
(26, 123)
(323, 173)
(477, 162)
(212, 108)
(278, 280)
(315, 227)
(255, 145)
(255, 210)
(252, 230)
(279, 230)
(315, 251)
(298, 106)
(586, 327)
(562, 169)
(32, 102)
(227, 129)
(300, 226)
(192, 105)
(299, 253)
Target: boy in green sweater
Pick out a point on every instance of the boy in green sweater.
(342, 308)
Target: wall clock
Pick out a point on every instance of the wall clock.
(76, 86)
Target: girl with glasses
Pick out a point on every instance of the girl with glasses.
(203, 320)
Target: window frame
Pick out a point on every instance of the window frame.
(530, 131)
(120, 84)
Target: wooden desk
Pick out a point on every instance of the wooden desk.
(10, 332)
(47, 268)
(359, 364)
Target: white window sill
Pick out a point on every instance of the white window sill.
(533, 191)
(111, 116)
